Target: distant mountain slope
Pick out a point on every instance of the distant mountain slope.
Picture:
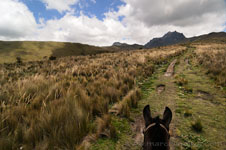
(214, 37)
(168, 39)
(125, 46)
(31, 51)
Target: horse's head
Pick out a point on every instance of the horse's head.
(156, 132)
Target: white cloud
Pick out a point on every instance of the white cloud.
(191, 17)
(17, 22)
(59, 5)
(93, 1)
(83, 29)
(143, 20)
(176, 12)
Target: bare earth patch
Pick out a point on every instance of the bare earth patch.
(170, 69)
(204, 95)
(160, 88)
(137, 128)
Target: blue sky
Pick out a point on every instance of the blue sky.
(39, 10)
(225, 26)
(103, 22)
(87, 7)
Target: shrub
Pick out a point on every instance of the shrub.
(181, 81)
(19, 60)
(52, 58)
(187, 113)
(197, 125)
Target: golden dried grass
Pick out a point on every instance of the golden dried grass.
(213, 58)
(53, 104)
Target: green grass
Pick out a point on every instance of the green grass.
(33, 51)
(200, 122)
(123, 129)
(194, 142)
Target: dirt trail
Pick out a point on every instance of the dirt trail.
(170, 69)
(158, 99)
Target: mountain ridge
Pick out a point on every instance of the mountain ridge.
(126, 46)
(169, 38)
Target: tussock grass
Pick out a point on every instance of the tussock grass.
(180, 80)
(129, 101)
(54, 104)
(104, 127)
(213, 58)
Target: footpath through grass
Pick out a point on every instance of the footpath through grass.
(129, 131)
(198, 106)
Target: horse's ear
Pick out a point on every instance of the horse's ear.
(147, 115)
(167, 116)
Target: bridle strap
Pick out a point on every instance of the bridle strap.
(153, 124)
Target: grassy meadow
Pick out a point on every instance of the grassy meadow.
(59, 104)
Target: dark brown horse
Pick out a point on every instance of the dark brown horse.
(156, 132)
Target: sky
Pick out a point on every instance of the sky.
(103, 22)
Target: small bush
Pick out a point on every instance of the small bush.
(187, 113)
(181, 81)
(19, 60)
(52, 58)
(197, 125)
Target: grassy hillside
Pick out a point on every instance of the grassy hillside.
(214, 37)
(32, 51)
